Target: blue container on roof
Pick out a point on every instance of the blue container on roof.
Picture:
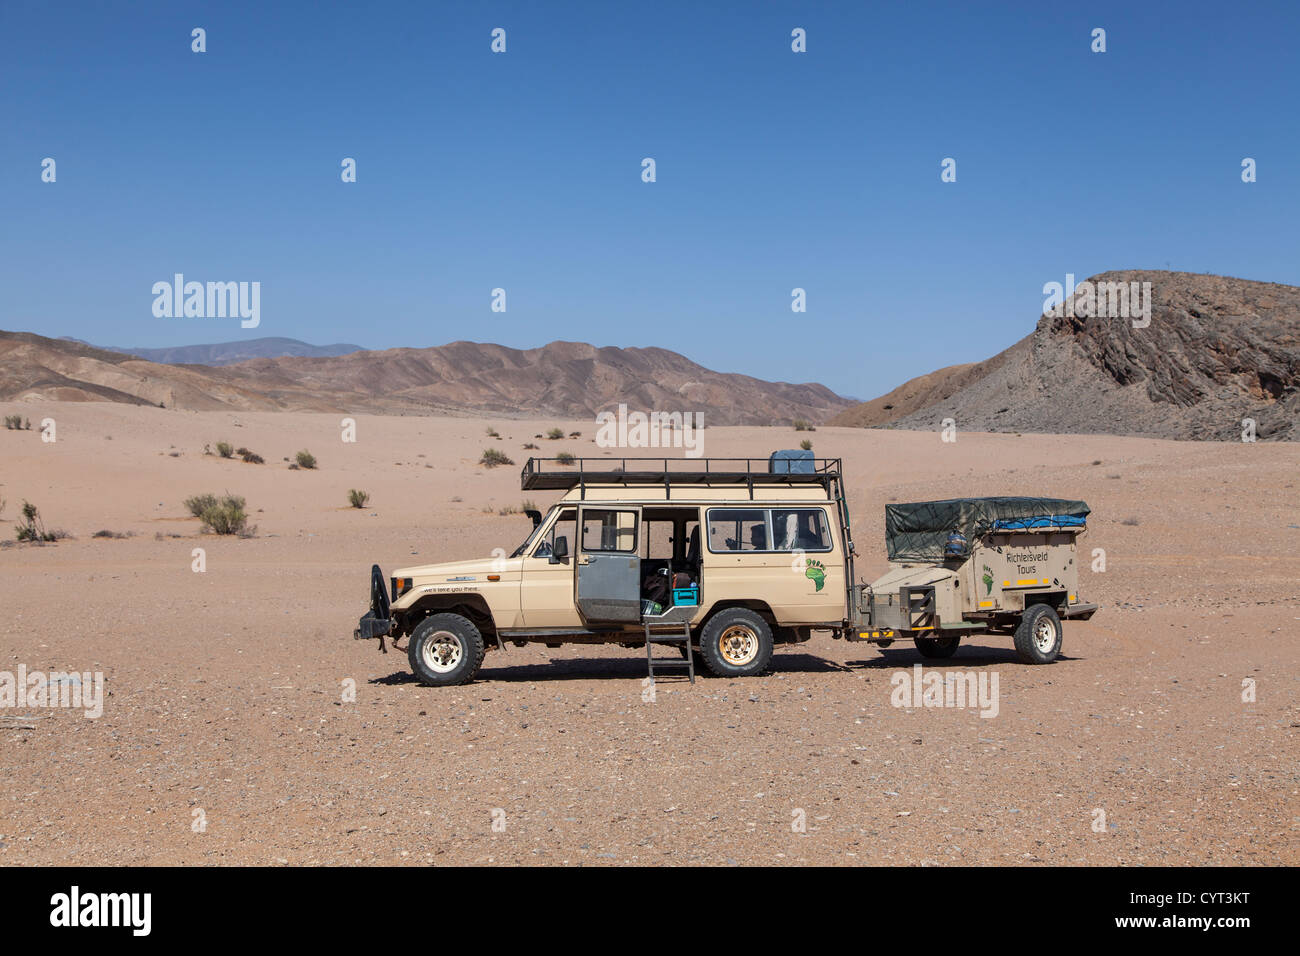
(792, 461)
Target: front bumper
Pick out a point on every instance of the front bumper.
(376, 622)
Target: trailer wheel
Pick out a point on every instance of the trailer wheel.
(736, 643)
(937, 647)
(1038, 636)
(446, 649)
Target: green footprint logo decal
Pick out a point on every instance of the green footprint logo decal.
(816, 573)
(988, 580)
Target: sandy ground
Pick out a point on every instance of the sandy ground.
(224, 687)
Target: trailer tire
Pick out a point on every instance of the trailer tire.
(736, 642)
(446, 649)
(937, 647)
(1038, 636)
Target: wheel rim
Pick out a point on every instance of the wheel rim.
(738, 645)
(1044, 635)
(442, 652)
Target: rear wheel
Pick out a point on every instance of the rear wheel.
(1038, 636)
(446, 649)
(937, 647)
(736, 643)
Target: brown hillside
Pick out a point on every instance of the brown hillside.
(568, 379)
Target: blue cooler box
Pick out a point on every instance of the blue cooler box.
(687, 597)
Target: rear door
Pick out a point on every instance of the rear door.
(608, 583)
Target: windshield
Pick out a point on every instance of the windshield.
(528, 541)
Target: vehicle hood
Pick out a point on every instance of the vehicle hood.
(445, 572)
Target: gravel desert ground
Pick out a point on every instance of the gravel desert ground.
(224, 689)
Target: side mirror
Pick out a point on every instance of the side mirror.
(560, 551)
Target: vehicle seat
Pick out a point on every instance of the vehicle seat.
(690, 565)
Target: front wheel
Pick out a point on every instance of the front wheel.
(736, 643)
(1038, 636)
(446, 649)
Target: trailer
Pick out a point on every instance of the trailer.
(965, 566)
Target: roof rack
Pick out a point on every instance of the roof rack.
(541, 474)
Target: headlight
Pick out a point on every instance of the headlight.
(400, 587)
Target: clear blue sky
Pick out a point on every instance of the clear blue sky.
(775, 170)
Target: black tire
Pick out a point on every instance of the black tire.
(937, 647)
(1038, 636)
(454, 652)
(736, 643)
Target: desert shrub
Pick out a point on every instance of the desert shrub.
(105, 533)
(31, 528)
(225, 449)
(358, 498)
(555, 434)
(305, 459)
(508, 510)
(13, 422)
(530, 445)
(199, 504)
(528, 505)
(575, 434)
(493, 433)
(800, 425)
(293, 466)
(564, 458)
(493, 457)
(226, 516)
(252, 457)
(806, 445)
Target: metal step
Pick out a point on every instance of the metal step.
(680, 638)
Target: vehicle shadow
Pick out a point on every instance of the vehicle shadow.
(968, 655)
(633, 667)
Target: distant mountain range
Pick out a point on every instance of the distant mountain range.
(567, 379)
(227, 353)
(1216, 351)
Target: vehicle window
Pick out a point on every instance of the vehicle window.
(737, 529)
(528, 541)
(800, 529)
(604, 529)
(566, 526)
(658, 540)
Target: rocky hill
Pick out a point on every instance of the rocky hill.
(1217, 350)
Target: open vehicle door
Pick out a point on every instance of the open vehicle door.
(608, 580)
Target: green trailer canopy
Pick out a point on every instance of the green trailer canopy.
(919, 531)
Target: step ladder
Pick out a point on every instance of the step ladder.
(677, 634)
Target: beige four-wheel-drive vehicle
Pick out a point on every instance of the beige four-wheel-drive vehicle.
(728, 558)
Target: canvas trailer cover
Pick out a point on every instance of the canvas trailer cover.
(917, 532)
